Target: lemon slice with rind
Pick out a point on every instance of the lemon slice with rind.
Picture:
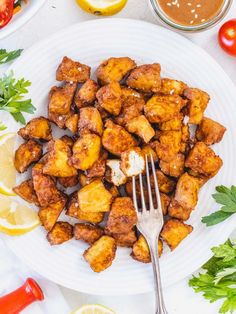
(102, 7)
(93, 309)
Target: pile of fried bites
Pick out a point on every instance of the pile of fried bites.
(128, 113)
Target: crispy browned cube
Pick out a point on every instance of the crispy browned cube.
(141, 251)
(175, 210)
(67, 140)
(26, 154)
(174, 124)
(26, 191)
(175, 167)
(109, 98)
(49, 214)
(169, 145)
(202, 159)
(114, 191)
(132, 162)
(125, 239)
(161, 108)
(114, 69)
(210, 131)
(60, 233)
(44, 186)
(170, 87)
(37, 128)
(147, 150)
(90, 119)
(72, 71)
(115, 175)
(145, 78)
(99, 167)
(198, 101)
(165, 201)
(141, 126)
(185, 139)
(174, 232)
(94, 197)
(69, 181)
(74, 211)
(116, 139)
(57, 161)
(187, 189)
(88, 233)
(84, 180)
(86, 151)
(122, 217)
(86, 95)
(165, 184)
(72, 123)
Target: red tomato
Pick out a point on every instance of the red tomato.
(227, 37)
(6, 11)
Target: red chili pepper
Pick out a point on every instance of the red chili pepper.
(16, 301)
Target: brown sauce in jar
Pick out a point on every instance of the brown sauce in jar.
(191, 12)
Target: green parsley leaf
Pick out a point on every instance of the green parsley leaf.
(225, 251)
(9, 56)
(12, 93)
(215, 218)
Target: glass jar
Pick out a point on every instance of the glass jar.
(164, 18)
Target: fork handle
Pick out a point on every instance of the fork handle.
(160, 306)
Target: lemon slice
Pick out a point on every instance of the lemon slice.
(8, 172)
(93, 309)
(102, 7)
(15, 218)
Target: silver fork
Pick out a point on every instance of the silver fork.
(150, 223)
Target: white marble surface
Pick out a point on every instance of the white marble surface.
(56, 15)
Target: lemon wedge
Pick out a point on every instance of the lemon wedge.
(102, 7)
(93, 309)
(15, 218)
(8, 172)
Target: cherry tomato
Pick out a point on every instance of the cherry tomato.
(6, 11)
(227, 37)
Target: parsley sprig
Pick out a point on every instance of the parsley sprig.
(218, 281)
(225, 197)
(12, 93)
(6, 56)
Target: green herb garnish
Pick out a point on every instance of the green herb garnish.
(9, 56)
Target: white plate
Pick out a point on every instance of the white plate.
(18, 20)
(91, 42)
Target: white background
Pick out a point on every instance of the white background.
(56, 15)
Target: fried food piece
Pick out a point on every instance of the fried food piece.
(86, 95)
(198, 101)
(44, 186)
(122, 217)
(87, 233)
(57, 164)
(141, 126)
(94, 197)
(74, 211)
(84, 180)
(117, 176)
(174, 124)
(109, 98)
(60, 233)
(49, 214)
(99, 167)
(72, 71)
(72, 123)
(67, 140)
(90, 119)
(26, 154)
(185, 139)
(26, 191)
(125, 239)
(210, 131)
(175, 167)
(86, 151)
(202, 159)
(165, 184)
(141, 251)
(169, 145)
(174, 232)
(68, 182)
(145, 78)
(165, 201)
(116, 139)
(147, 150)
(187, 189)
(114, 191)
(132, 162)
(175, 210)
(101, 254)
(114, 69)
(170, 87)
(37, 128)
(162, 108)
